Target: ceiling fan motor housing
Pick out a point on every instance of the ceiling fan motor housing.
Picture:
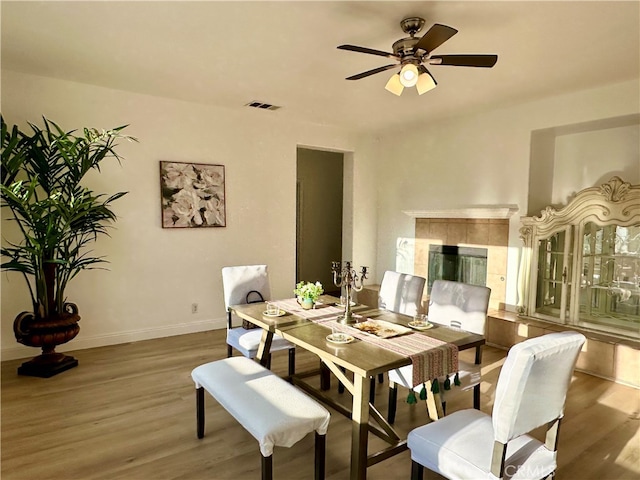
(404, 48)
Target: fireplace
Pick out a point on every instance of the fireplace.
(456, 263)
(481, 242)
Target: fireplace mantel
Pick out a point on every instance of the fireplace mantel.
(493, 211)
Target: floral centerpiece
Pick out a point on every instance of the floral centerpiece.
(308, 293)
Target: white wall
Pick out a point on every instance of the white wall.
(582, 159)
(156, 274)
(476, 160)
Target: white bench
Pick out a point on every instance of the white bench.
(272, 410)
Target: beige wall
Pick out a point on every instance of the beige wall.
(481, 159)
(156, 274)
(585, 159)
(573, 157)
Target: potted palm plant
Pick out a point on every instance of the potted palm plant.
(56, 219)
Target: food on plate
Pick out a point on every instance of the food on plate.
(380, 328)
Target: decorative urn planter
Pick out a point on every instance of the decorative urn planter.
(47, 333)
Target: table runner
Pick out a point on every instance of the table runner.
(431, 358)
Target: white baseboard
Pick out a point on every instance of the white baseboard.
(81, 343)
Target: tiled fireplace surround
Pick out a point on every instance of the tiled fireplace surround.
(492, 234)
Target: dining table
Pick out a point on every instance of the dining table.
(363, 359)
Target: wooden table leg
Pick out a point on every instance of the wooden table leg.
(476, 388)
(360, 427)
(478, 359)
(325, 377)
(265, 347)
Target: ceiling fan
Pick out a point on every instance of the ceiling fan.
(414, 53)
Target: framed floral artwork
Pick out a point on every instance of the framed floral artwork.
(192, 194)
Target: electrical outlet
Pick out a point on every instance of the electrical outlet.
(194, 308)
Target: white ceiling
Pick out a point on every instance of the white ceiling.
(284, 53)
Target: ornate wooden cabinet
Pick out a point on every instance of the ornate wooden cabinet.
(581, 264)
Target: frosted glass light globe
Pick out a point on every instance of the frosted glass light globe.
(409, 75)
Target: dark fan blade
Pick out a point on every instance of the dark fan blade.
(486, 61)
(371, 51)
(371, 72)
(436, 36)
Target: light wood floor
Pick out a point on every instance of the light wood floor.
(128, 412)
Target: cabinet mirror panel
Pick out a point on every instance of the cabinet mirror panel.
(610, 278)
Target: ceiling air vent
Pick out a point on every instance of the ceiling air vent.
(263, 106)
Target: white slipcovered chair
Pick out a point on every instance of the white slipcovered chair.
(453, 304)
(237, 282)
(399, 293)
(530, 393)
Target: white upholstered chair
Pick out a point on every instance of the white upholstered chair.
(399, 293)
(530, 393)
(453, 304)
(237, 282)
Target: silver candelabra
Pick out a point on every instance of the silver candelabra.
(348, 278)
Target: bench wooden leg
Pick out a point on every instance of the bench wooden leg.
(292, 361)
(200, 411)
(416, 471)
(267, 467)
(321, 442)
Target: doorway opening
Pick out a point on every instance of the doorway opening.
(319, 212)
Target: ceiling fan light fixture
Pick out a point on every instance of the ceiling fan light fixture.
(414, 54)
(409, 75)
(394, 85)
(425, 83)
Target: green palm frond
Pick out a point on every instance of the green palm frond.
(57, 216)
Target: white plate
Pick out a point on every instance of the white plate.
(420, 327)
(279, 314)
(343, 338)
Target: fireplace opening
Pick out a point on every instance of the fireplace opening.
(459, 264)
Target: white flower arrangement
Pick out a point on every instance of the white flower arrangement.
(308, 290)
